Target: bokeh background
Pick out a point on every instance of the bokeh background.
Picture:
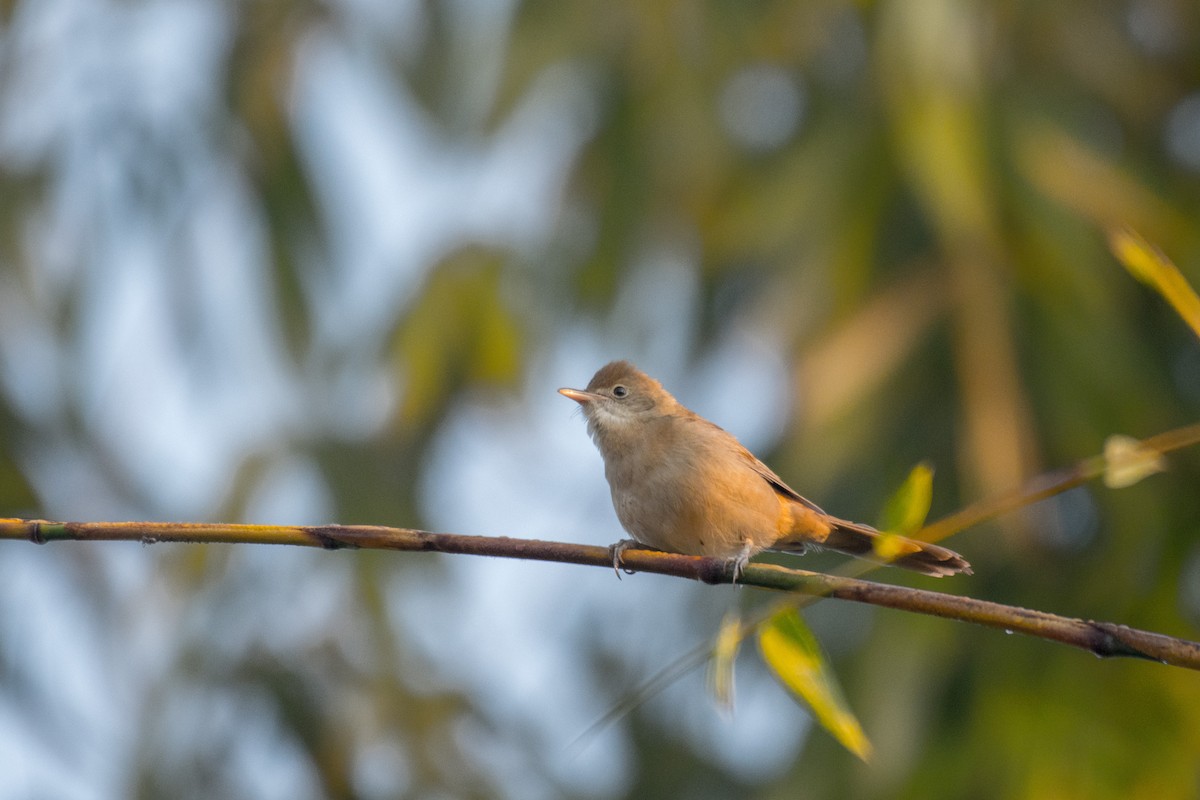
(309, 262)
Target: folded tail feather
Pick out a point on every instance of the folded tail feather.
(860, 540)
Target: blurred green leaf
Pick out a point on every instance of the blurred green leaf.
(16, 495)
(720, 668)
(791, 651)
(458, 331)
(906, 510)
(1146, 263)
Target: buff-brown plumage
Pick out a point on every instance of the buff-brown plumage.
(682, 484)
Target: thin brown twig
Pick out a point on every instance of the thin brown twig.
(1048, 485)
(1101, 638)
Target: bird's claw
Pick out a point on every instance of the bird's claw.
(617, 550)
(738, 563)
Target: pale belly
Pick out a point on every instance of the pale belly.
(669, 515)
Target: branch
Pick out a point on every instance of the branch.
(1104, 639)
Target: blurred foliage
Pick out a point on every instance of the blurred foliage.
(1156, 270)
(906, 509)
(791, 650)
(910, 199)
(462, 331)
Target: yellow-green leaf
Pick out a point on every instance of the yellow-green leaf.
(890, 546)
(791, 651)
(1151, 267)
(908, 506)
(720, 669)
(1128, 460)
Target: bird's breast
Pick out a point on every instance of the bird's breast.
(692, 499)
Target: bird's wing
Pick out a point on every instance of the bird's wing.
(748, 457)
(776, 482)
(762, 469)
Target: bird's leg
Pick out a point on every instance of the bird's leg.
(617, 550)
(740, 561)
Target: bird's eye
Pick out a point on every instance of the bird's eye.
(620, 391)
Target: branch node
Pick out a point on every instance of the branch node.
(328, 541)
(1111, 643)
(716, 570)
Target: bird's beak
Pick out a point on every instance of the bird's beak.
(579, 395)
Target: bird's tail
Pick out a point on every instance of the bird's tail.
(864, 541)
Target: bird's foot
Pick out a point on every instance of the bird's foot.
(617, 550)
(738, 563)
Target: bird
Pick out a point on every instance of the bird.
(682, 484)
